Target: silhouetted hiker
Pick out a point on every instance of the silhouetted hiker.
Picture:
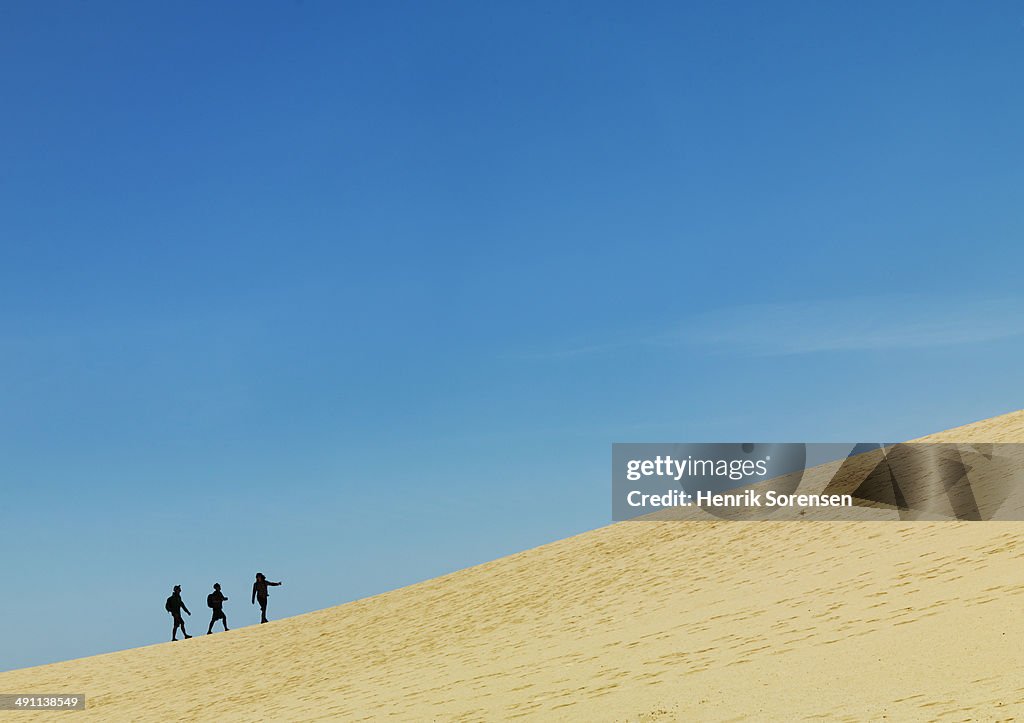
(259, 592)
(174, 606)
(216, 600)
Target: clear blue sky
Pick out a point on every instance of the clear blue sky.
(357, 294)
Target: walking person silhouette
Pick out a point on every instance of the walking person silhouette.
(216, 601)
(174, 606)
(259, 592)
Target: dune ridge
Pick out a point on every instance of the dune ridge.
(645, 621)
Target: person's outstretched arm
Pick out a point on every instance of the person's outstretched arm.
(275, 584)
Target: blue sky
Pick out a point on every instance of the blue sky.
(357, 294)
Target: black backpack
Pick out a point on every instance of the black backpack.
(169, 605)
(209, 601)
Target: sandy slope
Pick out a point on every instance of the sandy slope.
(635, 621)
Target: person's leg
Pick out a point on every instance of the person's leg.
(224, 620)
(263, 611)
(212, 621)
(174, 631)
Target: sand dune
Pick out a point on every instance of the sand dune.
(641, 621)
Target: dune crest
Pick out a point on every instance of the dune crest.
(634, 621)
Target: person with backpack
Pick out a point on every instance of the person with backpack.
(259, 592)
(174, 606)
(215, 600)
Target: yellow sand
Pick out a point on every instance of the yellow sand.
(635, 621)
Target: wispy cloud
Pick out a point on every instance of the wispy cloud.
(862, 324)
(853, 324)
